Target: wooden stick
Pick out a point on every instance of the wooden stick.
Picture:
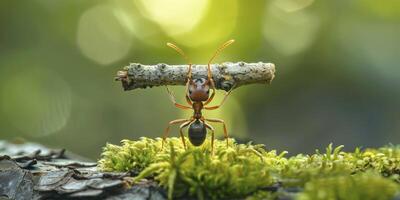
(225, 75)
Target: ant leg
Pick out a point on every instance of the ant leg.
(222, 102)
(172, 97)
(165, 135)
(181, 132)
(210, 99)
(212, 84)
(209, 73)
(224, 126)
(188, 100)
(212, 137)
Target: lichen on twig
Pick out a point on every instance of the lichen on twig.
(225, 75)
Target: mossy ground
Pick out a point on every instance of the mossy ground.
(246, 171)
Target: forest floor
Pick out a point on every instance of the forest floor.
(146, 169)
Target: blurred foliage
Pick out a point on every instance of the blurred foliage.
(244, 170)
(337, 69)
(356, 187)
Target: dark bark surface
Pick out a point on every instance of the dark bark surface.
(31, 171)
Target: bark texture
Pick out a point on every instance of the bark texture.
(225, 75)
(31, 171)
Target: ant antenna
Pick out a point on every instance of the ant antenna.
(222, 47)
(177, 49)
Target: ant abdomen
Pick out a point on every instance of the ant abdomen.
(197, 133)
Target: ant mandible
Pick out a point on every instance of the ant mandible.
(197, 96)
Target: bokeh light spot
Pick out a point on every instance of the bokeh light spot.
(174, 16)
(37, 102)
(101, 37)
(388, 9)
(289, 32)
(215, 27)
(292, 5)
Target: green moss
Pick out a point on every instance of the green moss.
(350, 187)
(234, 171)
(243, 170)
(301, 168)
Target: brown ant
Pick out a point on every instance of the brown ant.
(197, 96)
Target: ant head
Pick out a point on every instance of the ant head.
(199, 89)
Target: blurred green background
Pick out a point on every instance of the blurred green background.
(337, 77)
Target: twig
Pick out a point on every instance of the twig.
(225, 75)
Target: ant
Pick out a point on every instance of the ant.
(197, 96)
